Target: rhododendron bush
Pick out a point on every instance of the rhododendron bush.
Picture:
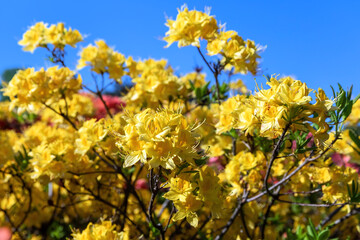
(177, 156)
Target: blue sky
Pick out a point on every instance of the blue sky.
(318, 42)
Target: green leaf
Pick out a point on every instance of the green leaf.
(311, 230)
(354, 137)
(198, 93)
(233, 133)
(346, 111)
(193, 171)
(201, 161)
(356, 98)
(353, 191)
(324, 234)
(192, 86)
(182, 167)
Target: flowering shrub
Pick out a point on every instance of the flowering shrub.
(175, 157)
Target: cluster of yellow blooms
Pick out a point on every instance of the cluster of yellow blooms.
(269, 111)
(101, 231)
(161, 138)
(40, 35)
(154, 81)
(237, 53)
(103, 59)
(189, 193)
(192, 26)
(189, 27)
(178, 159)
(29, 88)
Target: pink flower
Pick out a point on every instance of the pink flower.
(293, 145)
(115, 105)
(215, 162)
(311, 142)
(5, 233)
(344, 161)
(141, 184)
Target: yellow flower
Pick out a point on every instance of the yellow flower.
(154, 82)
(99, 231)
(103, 59)
(34, 37)
(90, 133)
(161, 138)
(189, 27)
(40, 35)
(180, 187)
(29, 89)
(187, 209)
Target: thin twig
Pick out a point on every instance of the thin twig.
(233, 216)
(301, 192)
(274, 155)
(170, 217)
(104, 103)
(330, 216)
(268, 210)
(201, 227)
(14, 228)
(88, 173)
(154, 189)
(215, 72)
(207, 63)
(242, 216)
(287, 178)
(340, 220)
(163, 207)
(62, 115)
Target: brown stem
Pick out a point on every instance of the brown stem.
(287, 178)
(104, 103)
(201, 227)
(302, 192)
(242, 215)
(340, 220)
(215, 72)
(62, 115)
(171, 214)
(330, 216)
(274, 155)
(100, 199)
(263, 226)
(154, 189)
(233, 216)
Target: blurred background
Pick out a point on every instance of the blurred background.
(317, 42)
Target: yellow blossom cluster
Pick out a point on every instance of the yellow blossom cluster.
(103, 59)
(192, 26)
(239, 86)
(248, 163)
(207, 188)
(286, 102)
(158, 138)
(29, 89)
(99, 231)
(154, 82)
(90, 133)
(79, 107)
(196, 78)
(237, 53)
(40, 35)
